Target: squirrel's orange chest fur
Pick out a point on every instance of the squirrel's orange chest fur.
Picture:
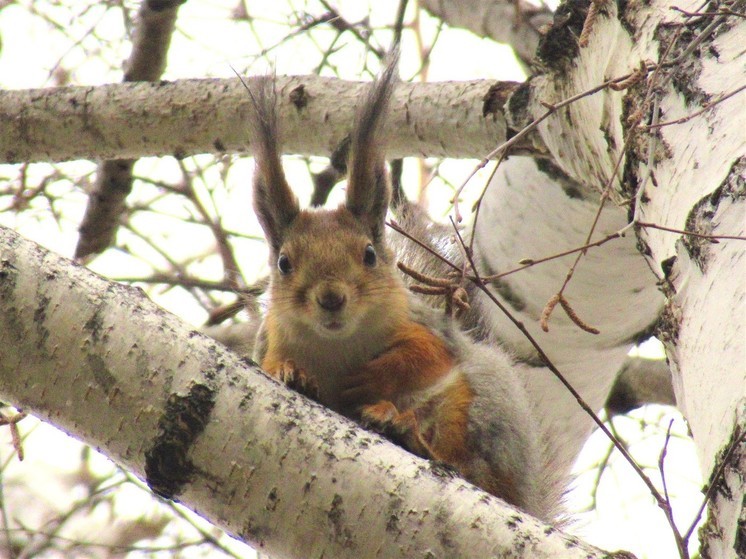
(414, 371)
(397, 362)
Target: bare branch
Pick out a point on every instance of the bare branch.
(445, 119)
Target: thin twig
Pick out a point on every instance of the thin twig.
(706, 107)
(534, 123)
(719, 12)
(712, 238)
(681, 544)
(529, 262)
(12, 423)
(478, 204)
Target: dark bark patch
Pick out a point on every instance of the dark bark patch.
(734, 185)
(395, 505)
(255, 532)
(443, 470)
(517, 114)
(685, 73)
(218, 144)
(272, 500)
(734, 452)
(559, 46)
(701, 218)
(246, 399)
(637, 150)
(514, 522)
(95, 325)
(12, 317)
(167, 464)
(40, 315)
(669, 324)
(443, 521)
(570, 187)
(498, 94)
(8, 275)
(101, 373)
(338, 520)
(299, 97)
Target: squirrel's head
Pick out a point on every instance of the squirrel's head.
(331, 270)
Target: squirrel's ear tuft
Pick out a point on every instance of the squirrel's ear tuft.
(368, 188)
(274, 202)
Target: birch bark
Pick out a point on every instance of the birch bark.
(686, 176)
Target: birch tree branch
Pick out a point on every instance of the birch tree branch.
(152, 37)
(516, 23)
(641, 381)
(186, 117)
(108, 366)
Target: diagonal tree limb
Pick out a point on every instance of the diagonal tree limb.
(200, 425)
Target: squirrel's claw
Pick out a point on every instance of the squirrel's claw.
(297, 379)
(400, 428)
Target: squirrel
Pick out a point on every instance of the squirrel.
(342, 327)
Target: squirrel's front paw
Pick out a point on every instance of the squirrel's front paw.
(297, 379)
(400, 428)
(363, 388)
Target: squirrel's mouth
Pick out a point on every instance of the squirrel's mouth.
(334, 327)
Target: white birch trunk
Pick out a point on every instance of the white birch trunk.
(701, 188)
(700, 170)
(517, 23)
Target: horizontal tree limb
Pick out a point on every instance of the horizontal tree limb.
(187, 117)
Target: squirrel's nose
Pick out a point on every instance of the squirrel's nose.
(331, 300)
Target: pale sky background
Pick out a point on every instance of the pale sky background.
(207, 43)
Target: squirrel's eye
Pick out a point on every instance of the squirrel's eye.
(369, 258)
(283, 264)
